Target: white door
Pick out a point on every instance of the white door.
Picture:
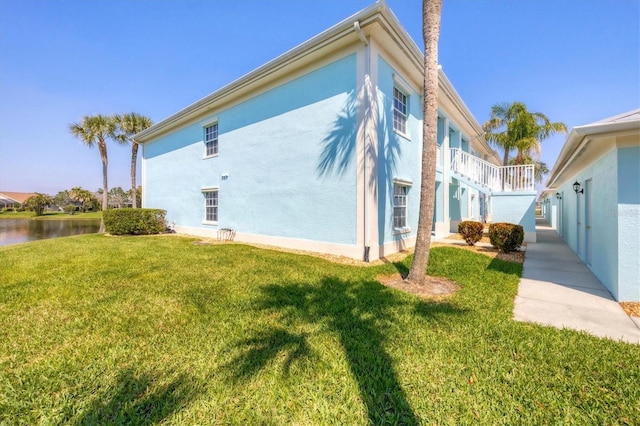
(587, 221)
(579, 226)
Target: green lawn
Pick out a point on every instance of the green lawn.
(49, 215)
(145, 330)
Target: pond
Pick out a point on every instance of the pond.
(15, 231)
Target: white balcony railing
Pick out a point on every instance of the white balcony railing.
(495, 178)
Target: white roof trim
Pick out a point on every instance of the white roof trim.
(376, 12)
(579, 135)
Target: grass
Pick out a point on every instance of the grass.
(144, 330)
(49, 215)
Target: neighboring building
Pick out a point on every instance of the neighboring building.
(320, 150)
(593, 200)
(14, 199)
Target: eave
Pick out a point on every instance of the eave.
(582, 139)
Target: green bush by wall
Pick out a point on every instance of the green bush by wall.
(471, 231)
(134, 221)
(506, 237)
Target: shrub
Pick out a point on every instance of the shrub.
(134, 221)
(70, 209)
(506, 236)
(471, 231)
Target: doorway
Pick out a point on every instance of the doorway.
(587, 221)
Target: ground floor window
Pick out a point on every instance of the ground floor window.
(400, 206)
(211, 206)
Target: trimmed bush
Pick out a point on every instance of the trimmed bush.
(471, 231)
(506, 237)
(134, 221)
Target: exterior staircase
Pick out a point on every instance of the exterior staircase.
(489, 178)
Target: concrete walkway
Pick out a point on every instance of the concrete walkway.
(559, 290)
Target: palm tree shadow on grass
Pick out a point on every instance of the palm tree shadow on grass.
(358, 312)
(132, 402)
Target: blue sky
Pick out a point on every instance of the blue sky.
(575, 61)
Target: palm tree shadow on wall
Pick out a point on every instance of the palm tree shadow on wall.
(360, 314)
(339, 149)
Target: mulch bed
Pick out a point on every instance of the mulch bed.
(631, 308)
(437, 288)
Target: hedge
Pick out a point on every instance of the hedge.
(134, 221)
(506, 236)
(471, 231)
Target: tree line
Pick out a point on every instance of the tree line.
(82, 200)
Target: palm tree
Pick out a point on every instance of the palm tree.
(540, 168)
(94, 130)
(128, 125)
(512, 126)
(431, 13)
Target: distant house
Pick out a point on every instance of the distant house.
(320, 150)
(593, 200)
(14, 199)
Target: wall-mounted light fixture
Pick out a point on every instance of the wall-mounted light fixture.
(558, 196)
(576, 187)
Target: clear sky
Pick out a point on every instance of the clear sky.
(577, 61)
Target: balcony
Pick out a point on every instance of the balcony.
(488, 177)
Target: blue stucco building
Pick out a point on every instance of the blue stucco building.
(320, 150)
(593, 200)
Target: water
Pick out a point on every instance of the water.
(15, 231)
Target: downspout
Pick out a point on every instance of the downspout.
(367, 105)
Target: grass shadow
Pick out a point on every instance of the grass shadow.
(505, 267)
(138, 399)
(359, 313)
(265, 346)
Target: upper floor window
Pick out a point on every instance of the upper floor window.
(211, 139)
(399, 111)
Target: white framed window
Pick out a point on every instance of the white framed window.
(399, 111)
(400, 195)
(210, 205)
(211, 140)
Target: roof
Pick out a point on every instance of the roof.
(16, 197)
(580, 138)
(350, 30)
(627, 116)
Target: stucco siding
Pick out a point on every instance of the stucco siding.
(398, 156)
(518, 208)
(628, 215)
(286, 163)
(603, 236)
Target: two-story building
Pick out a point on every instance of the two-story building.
(320, 150)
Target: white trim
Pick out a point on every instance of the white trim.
(403, 85)
(403, 182)
(396, 246)
(347, 250)
(327, 39)
(400, 231)
(402, 134)
(210, 121)
(209, 188)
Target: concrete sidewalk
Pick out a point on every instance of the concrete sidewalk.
(559, 290)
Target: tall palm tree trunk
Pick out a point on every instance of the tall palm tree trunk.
(431, 12)
(134, 159)
(102, 147)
